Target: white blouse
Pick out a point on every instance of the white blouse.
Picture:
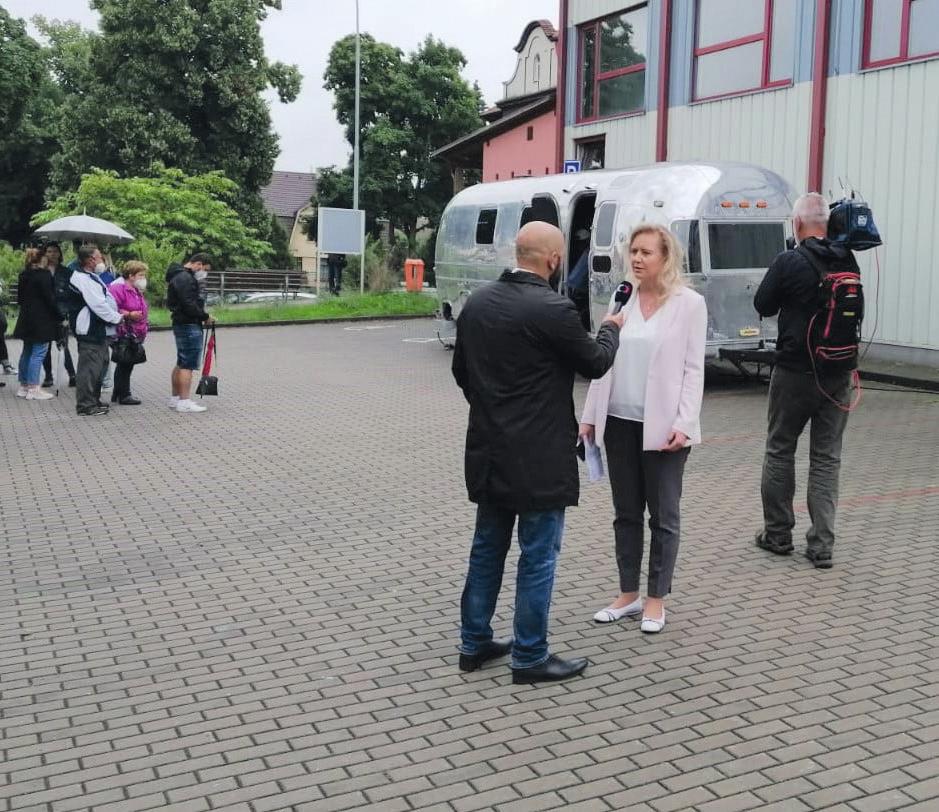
(631, 366)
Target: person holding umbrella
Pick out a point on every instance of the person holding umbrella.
(37, 325)
(60, 280)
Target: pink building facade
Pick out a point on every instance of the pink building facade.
(526, 150)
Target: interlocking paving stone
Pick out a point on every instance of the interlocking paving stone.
(260, 611)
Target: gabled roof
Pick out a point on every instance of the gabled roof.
(545, 25)
(288, 192)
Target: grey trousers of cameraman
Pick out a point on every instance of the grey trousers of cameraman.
(794, 401)
(92, 360)
(639, 478)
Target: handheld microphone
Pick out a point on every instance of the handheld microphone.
(621, 297)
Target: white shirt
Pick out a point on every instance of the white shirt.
(631, 366)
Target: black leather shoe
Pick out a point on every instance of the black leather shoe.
(93, 411)
(48, 383)
(554, 669)
(490, 651)
(773, 546)
(821, 560)
(72, 383)
(130, 400)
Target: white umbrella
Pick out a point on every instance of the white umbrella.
(83, 227)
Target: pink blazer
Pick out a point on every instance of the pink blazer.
(675, 386)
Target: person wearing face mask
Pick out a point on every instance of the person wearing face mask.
(128, 293)
(187, 306)
(93, 321)
(518, 347)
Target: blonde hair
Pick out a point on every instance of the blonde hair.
(133, 266)
(672, 278)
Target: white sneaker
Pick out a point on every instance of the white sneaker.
(173, 402)
(39, 394)
(189, 406)
(611, 615)
(22, 392)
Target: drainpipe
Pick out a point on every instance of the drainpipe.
(665, 38)
(819, 95)
(560, 104)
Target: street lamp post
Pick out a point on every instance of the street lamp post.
(355, 157)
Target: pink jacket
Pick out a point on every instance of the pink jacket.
(675, 386)
(128, 299)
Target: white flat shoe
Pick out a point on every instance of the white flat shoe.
(611, 615)
(651, 625)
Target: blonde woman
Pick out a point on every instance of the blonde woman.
(646, 413)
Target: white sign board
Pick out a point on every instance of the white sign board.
(340, 231)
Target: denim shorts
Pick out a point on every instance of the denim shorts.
(188, 345)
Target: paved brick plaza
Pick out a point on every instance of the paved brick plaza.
(256, 608)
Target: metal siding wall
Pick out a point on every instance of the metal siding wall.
(881, 136)
(770, 129)
(629, 141)
(847, 27)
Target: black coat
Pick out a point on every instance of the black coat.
(39, 318)
(790, 288)
(518, 346)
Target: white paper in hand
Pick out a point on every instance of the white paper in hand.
(594, 460)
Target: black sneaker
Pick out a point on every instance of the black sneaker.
(820, 558)
(773, 546)
(48, 383)
(94, 411)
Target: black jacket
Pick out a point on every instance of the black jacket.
(790, 288)
(518, 346)
(39, 318)
(182, 296)
(61, 281)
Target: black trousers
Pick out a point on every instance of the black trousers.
(4, 355)
(69, 365)
(92, 360)
(638, 479)
(122, 373)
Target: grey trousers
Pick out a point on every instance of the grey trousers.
(794, 400)
(92, 360)
(639, 478)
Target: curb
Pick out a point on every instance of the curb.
(898, 379)
(303, 322)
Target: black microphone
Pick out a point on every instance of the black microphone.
(623, 292)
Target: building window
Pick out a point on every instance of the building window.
(536, 69)
(900, 30)
(530, 135)
(743, 46)
(613, 64)
(591, 153)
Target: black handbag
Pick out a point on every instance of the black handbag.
(208, 384)
(128, 351)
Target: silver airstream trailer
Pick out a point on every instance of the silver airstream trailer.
(731, 218)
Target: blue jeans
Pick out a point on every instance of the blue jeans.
(539, 539)
(30, 368)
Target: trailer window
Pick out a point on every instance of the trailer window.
(456, 229)
(541, 210)
(486, 226)
(603, 225)
(736, 246)
(688, 235)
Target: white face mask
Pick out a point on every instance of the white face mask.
(140, 284)
(200, 275)
(100, 268)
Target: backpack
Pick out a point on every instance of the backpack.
(834, 334)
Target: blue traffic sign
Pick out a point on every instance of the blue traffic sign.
(571, 166)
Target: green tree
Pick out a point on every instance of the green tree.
(27, 105)
(172, 81)
(411, 106)
(168, 208)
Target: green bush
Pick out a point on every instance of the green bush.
(11, 263)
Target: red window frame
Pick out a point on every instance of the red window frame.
(904, 55)
(765, 36)
(594, 25)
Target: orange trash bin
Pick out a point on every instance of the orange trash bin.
(414, 275)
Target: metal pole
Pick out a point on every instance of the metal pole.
(358, 85)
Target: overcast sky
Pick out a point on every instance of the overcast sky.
(485, 30)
